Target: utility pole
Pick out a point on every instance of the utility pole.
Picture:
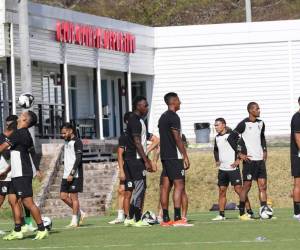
(248, 10)
(26, 81)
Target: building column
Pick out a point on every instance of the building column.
(99, 98)
(129, 88)
(66, 87)
(12, 70)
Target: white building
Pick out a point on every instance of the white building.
(215, 69)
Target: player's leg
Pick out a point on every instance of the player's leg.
(138, 201)
(75, 209)
(64, 196)
(238, 189)
(243, 196)
(262, 189)
(128, 207)
(296, 197)
(2, 199)
(177, 198)
(164, 198)
(185, 205)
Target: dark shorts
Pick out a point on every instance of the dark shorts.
(21, 186)
(254, 170)
(4, 187)
(173, 169)
(76, 186)
(130, 185)
(232, 176)
(134, 169)
(295, 165)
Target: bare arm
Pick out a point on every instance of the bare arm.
(4, 146)
(181, 147)
(154, 142)
(121, 163)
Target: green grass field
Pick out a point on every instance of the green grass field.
(280, 233)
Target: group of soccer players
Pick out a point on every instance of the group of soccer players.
(245, 144)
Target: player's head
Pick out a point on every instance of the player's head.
(220, 125)
(172, 100)
(126, 117)
(27, 119)
(10, 124)
(67, 131)
(253, 109)
(140, 104)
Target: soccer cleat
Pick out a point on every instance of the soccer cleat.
(13, 235)
(141, 223)
(41, 235)
(116, 221)
(129, 222)
(82, 215)
(244, 217)
(25, 229)
(184, 219)
(251, 216)
(219, 218)
(72, 225)
(166, 223)
(179, 223)
(296, 217)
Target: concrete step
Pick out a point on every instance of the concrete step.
(61, 212)
(85, 195)
(83, 202)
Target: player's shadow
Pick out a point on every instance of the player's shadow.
(87, 225)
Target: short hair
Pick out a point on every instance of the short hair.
(32, 118)
(137, 100)
(169, 96)
(11, 118)
(68, 125)
(250, 105)
(220, 119)
(126, 116)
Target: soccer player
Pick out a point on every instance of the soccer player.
(295, 160)
(136, 164)
(123, 141)
(174, 159)
(20, 143)
(225, 154)
(253, 151)
(72, 181)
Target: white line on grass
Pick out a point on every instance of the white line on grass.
(153, 244)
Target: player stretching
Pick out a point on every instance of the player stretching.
(253, 152)
(295, 161)
(136, 164)
(123, 141)
(20, 143)
(72, 181)
(174, 159)
(225, 153)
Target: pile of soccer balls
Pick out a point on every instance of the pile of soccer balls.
(47, 223)
(150, 218)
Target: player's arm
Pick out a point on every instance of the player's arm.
(233, 142)
(120, 152)
(241, 147)
(5, 172)
(216, 153)
(154, 142)
(78, 147)
(155, 157)
(140, 150)
(264, 142)
(4, 146)
(181, 147)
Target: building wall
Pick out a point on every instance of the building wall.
(44, 47)
(218, 69)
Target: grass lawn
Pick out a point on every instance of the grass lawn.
(280, 233)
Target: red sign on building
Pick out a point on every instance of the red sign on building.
(94, 37)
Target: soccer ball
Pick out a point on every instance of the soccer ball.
(265, 212)
(149, 217)
(25, 100)
(47, 222)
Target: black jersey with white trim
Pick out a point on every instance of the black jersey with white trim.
(168, 148)
(73, 150)
(21, 162)
(295, 128)
(252, 141)
(225, 150)
(136, 127)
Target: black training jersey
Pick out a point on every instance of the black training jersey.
(4, 159)
(253, 141)
(168, 149)
(123, 141)
(73, 158)
(225, 150)
(21, 144)
(295, 128)
(136, 127)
